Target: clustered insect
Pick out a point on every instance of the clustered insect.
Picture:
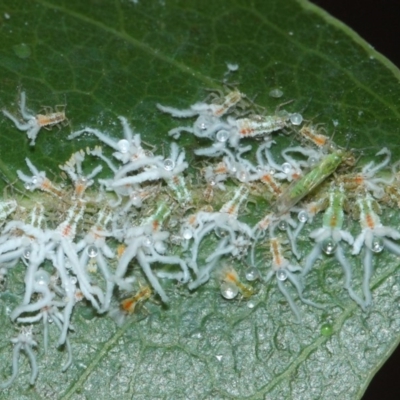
(152, 217)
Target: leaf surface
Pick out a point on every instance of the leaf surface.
(107, 58)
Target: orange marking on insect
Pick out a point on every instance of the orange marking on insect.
(369, 220)
(232, 209)
(310, 133)
(192, 219)
(129, 304)
(97, 232)
(267, 179)
(333, 220)
(120, 250)
(221, 168)
(228, 274)
(66, 231)
(156, 225)
(80, 188)
(265, 222)
(51, 119)
(78, 295)
(276, 253)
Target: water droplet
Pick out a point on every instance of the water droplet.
(328, 246)
(187, 234)
(252, 274)
(73, 280)
(92, 251)
(22, 50)
(123, 146)
(28, 186)
(147, 241)
(312, 161)
(50, 320)
(148, 153)
(212, 182)
(34, 180)
(220, 232)
(229, 290)
(296, 119)
(326, 330)
(203, 123)
(276, 93)
(219, 358)
(251, 304)
(272, 171)
(377, 245)
(27, 253)
(286, 167)
(242, 176)
(281, 275)
(169, 164)
(41, 277)
(302, 216)
(222, 136)
(282, 225)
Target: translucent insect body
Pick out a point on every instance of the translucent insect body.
(33, 123)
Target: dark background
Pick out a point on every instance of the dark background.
(378, 22)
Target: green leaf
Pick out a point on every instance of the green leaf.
(108, 58)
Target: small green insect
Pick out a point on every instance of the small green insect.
(303, 186)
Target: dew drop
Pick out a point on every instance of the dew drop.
(41, 277)
(202, 123)
(34, 180)
(302, 216)
(220, 232)
(251, 304)
(286, 167)
(27, 253)
(148, 153)
(296, 119)
(276, 93)
(148, 241)
(229, 290)
(212, 182)
(92, 251)
(28, 186)
(282, 225)
(222, 136)
(326, 330)
(252, 274)
(187, 234)
(169, 164)
(73, 280)
(272, 171)
(123, 146)
(377, 245)
(22, 50)
(242, 176)
(281, 275)
(328, 246)
(312, 161)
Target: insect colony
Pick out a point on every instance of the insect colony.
(152, 217)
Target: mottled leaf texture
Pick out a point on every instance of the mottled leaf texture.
(105, 58)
